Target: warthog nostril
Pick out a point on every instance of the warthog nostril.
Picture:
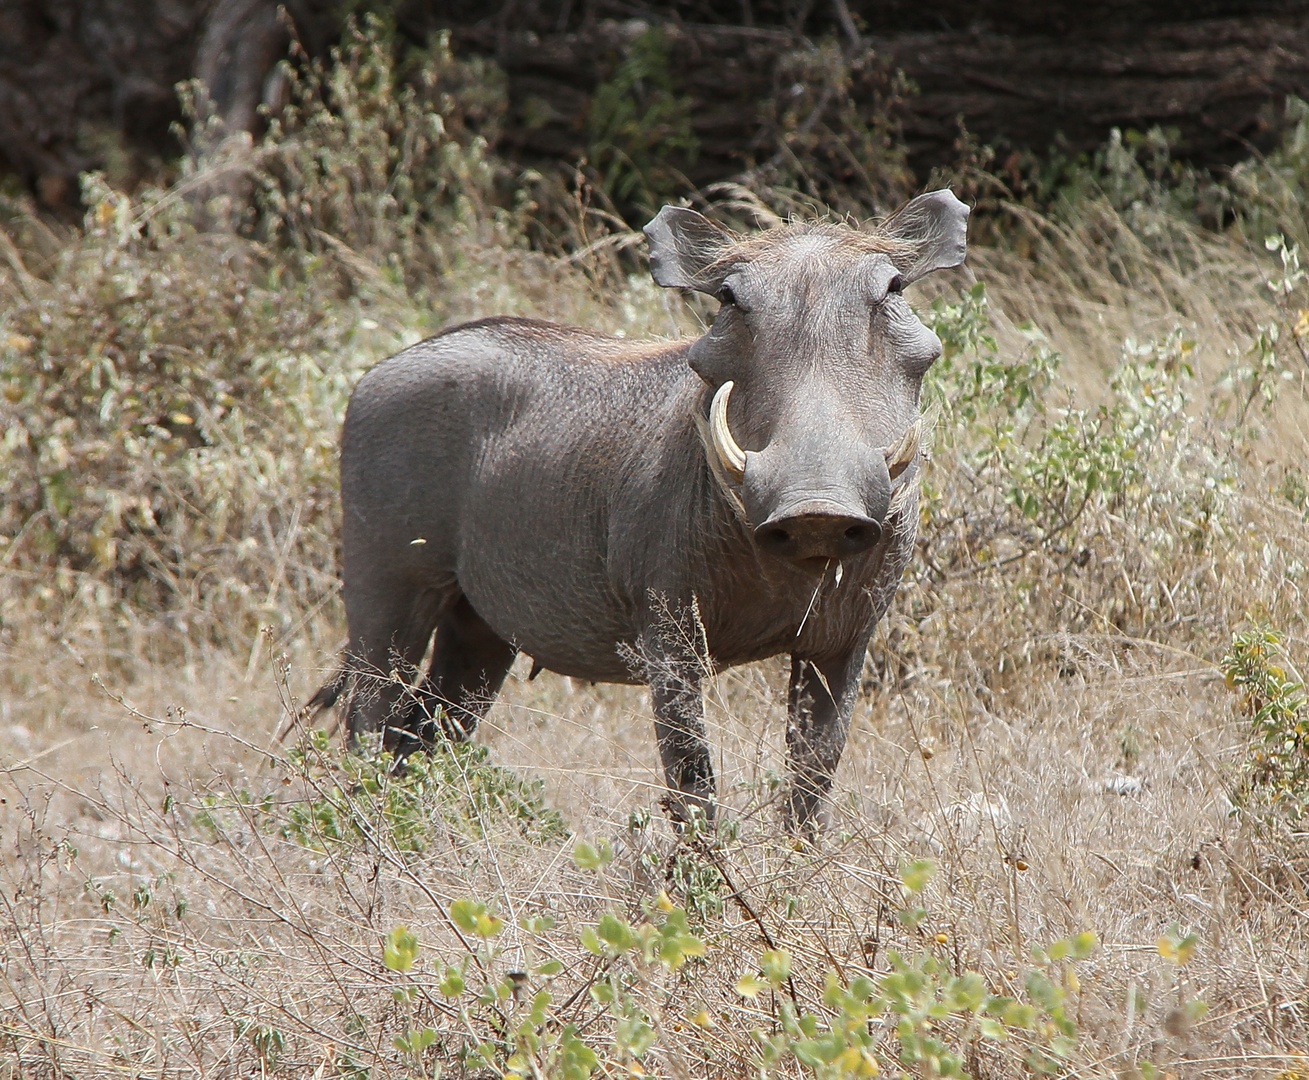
(859, 537)
(806, 538)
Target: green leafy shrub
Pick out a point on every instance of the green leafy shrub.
(500, 1026)
(640, 127)
(454, 787)
(388, 160)
(1120, 451)
(1273, 702)
(1270, 192)
(172, 389)
(346, 801)
(158, 406)
(1133, 452)
(971, 381)
(921, 1014)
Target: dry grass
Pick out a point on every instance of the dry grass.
(1111, 784)
(1045, 717)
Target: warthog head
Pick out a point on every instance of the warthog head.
(816, 362)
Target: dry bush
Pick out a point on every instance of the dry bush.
(172, 394)
(1048, 783)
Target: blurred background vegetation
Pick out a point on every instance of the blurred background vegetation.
(189, 294)
(841, 98)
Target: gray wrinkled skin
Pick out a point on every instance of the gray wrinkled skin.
(513, 485)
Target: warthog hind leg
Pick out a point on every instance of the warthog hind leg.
(390, 627)
(469, 665)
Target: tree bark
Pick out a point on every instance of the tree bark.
(1220, 83)
(81, 81)
(91, 83)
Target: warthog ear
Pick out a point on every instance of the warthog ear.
(684, 248)
(934, 230)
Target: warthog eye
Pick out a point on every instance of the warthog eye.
(726, 296)
(896, 285)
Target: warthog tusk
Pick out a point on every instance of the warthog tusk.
(899, 455)
(730, 455)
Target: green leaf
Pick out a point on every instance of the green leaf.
(912, 916)
(750, 986)
(1018, 1015)
(776, 966)
(399, 949)
(1062, 1045)
(1177, 947)
(1042, 991)
(593, 858)
(810, 1052)
(464, 913)
(541, 1002)
(862, 988)
(916, 875)
(577, 1060)
(615, 933)
(487, 926)
(453, 983)
(472, 917)
(675, 948)
(965, 993)
(414, 1042)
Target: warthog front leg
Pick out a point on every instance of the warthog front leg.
(819, 705)
(683, 748)
(675, 673)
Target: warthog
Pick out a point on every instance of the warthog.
(644, 512)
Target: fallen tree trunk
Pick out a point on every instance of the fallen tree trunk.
(90, 83)
(1221, 84)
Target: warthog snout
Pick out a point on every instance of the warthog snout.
(781, 485)
(816, 533)
(811, 513)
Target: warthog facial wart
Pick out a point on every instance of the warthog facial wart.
(650, 511)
